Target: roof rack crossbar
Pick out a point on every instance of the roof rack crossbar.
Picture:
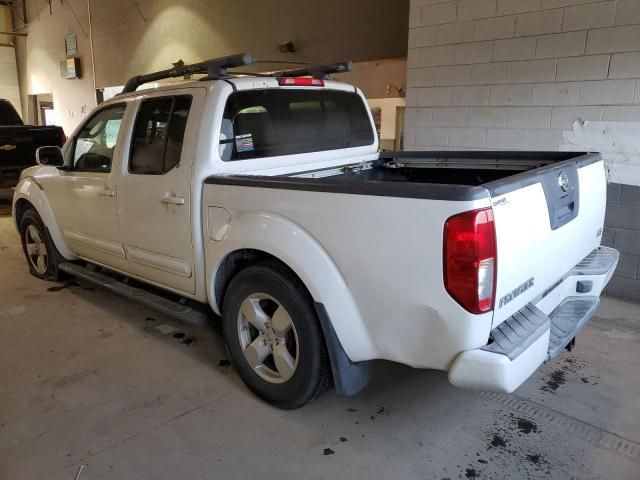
(214, 68)
(322, 72)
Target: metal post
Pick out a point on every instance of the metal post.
(93, 59)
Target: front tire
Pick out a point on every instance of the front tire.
(274, 336)
(40, 252)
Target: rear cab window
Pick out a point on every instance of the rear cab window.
(274, 122)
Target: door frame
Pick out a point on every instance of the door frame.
(145, 262)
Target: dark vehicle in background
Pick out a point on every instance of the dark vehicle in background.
(18, 145)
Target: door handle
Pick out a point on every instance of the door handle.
(171, 200)
(107, 193)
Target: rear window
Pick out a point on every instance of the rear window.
(268, 123)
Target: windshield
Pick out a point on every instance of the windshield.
(272, 122)
(8, 114)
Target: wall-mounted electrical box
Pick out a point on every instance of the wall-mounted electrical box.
(70, 68)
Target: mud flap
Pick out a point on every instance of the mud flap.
(348, 377)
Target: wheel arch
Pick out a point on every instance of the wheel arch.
(19, 208)
(232, 264)
(259, 236)
(30, 194)
(349, 377)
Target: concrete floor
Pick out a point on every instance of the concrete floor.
(90, 379)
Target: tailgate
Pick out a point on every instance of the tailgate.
(546, 220)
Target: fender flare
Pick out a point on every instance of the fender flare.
(31, 191)
(296, 248)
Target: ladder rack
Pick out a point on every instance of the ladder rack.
(214, 68)
(322, 72)
(218, 68)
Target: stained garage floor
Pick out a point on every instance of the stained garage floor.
(88, 379)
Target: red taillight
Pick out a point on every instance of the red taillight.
(470, 259)
(300, 82)
(63, 139)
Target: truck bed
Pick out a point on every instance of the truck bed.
(428, 175)
(452, 168)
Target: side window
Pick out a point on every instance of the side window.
(96, 142)
(158, 135)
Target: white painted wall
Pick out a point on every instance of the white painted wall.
(518, 74)
(619, 142)
(388, 120)
(9, 88)
(131, 38)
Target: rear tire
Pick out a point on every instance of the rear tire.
(41, 254)
(274, 336)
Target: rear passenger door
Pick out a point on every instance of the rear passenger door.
(155, 198)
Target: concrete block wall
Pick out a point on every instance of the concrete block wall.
(517, 73)
(527, 75)
(622, 232)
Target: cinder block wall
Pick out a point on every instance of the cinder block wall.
(622, 232)
(517, 74)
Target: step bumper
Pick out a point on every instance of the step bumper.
(518, 346)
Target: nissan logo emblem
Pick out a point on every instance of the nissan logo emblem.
(563, 181)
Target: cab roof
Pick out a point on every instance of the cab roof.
(241, 83)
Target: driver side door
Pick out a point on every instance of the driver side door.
(85, 203)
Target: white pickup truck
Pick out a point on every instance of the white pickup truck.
(266, 198)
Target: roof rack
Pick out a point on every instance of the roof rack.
(214, 68)
(322, 72)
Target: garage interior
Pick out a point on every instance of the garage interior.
(97, 386)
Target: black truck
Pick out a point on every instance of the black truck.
(18, 144)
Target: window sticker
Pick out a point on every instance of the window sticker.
(83, 146)
(244, 143)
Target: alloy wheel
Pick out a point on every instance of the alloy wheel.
(36, 249)
(268, 338)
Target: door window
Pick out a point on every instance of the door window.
(96, 142)
(159, 134)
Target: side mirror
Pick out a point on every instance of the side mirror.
(49, 156)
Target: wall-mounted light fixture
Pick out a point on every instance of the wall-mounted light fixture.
(287, 47)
